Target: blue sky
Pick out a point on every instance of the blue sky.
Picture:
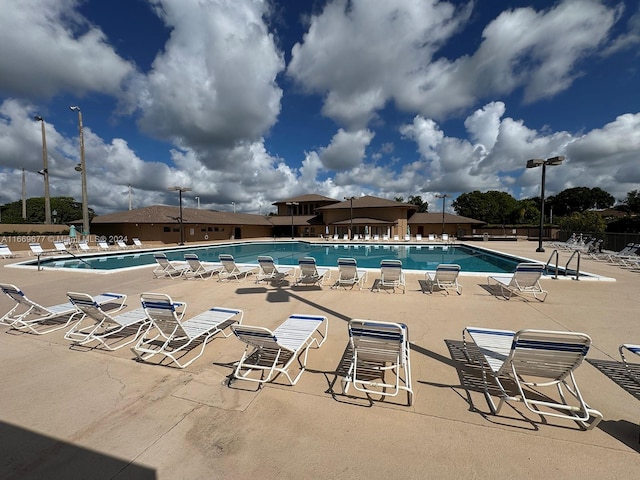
(250, 102)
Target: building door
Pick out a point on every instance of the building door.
(237, 233)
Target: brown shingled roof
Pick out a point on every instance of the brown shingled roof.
(368, 201)
(436, 217)
(307, 198)
(169, 214)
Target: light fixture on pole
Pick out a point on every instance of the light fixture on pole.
(82, 168)
(234, 206)
(197, 200)
(533, 163)
(180, 190)
(45, 172)
(24, 195)
(291, 205)
(444, 199)
(350, 216)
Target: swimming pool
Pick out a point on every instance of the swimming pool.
(413, 257)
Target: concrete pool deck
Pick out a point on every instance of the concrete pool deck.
(77, 413)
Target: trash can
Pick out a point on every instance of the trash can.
(485, 237)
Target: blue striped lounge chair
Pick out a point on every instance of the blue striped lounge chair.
(172, 337)
(269, 353)
(231, 270)
(268, 271)
(97, 325)
(380, 361)
(445, 278)
(632, 370)
(310, 274)
(391, 276)
(349, 275)
(538, 359)
(525, 281)
(30, 316)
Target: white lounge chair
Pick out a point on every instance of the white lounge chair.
(525, 281)
(5, 252)
(168, 269)
(634, 349)
(171, 337)
(122, 245)
(60, 246)
(445, 237)
(349, 275)
(444, 278)
(534, 358)
(432, 237)
(137, 242)
(231, 270)
(310, 274)
(28, 315)
(376, 238)
(396, 238)
(36, 248)
(269, 271)
(270, 353)
(385, 238)
(418, 237)
(98, 325)
(197, 269)
(379, 349)
(103, 245)
(84, 246)
(391, 276)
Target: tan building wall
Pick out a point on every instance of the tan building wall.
(170, 233)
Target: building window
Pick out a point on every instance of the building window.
(166, 229)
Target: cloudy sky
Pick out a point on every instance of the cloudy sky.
(250, 102)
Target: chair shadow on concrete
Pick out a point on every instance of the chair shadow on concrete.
(31, 455)
(623, 430)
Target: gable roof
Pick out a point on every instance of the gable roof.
(368, 201)
(167, 214)
(436, 217)
(307, 198)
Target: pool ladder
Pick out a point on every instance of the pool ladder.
(556, 254)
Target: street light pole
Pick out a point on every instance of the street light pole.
(180, 190)
(350, 216)
(444, 199)
(198, 200)
(45, 172)
(537, 162)
(82, 168)
(291, 205)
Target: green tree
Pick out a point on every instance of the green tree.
(421, 204)
(590, 222)
(632, 201)
(579, 199)
(526, 211)
(491, 207)
(66, 208)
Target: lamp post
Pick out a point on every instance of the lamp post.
(533, 163)
(180, 190)
(291, 205)
(45, 172)
(350, 216)
(82, 168)
(198, 200)
(444, 199)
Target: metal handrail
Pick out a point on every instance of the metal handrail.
(557, 255)
(566, 267)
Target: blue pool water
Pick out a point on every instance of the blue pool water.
(413, 257)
